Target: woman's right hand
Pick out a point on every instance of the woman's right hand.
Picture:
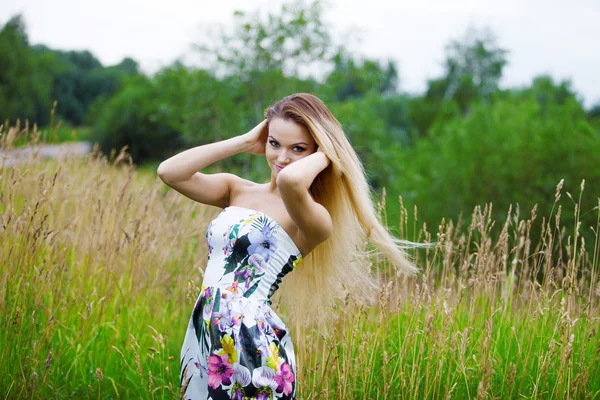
(257, 138)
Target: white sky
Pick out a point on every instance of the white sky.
(559, 38)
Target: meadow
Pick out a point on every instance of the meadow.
(100, 265)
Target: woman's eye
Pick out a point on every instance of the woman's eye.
(298, 149)
(273, 143)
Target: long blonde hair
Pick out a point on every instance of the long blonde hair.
(342, 263)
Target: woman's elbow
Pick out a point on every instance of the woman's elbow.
(163, 172)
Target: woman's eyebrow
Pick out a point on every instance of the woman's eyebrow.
(306, 144)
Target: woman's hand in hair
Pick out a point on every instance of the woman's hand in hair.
(256, 139)
(327, 159)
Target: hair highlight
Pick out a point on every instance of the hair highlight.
(342, 263)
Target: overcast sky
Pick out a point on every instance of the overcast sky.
(560, 38)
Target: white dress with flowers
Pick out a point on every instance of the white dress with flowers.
(236, 347)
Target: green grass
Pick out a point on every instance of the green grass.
(100, 265)
(59, 133)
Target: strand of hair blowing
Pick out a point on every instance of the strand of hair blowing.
(341, 264)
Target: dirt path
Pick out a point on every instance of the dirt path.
(43, 151)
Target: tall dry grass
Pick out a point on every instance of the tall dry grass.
(100, 265)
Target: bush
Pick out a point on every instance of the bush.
(507, 152)
(140, 117)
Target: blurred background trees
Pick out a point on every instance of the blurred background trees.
(33, 77)
(463, 142)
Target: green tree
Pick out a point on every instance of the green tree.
(143, 117)
(505, 152)
(472, 69)
(262, 52)
(79, 79)
(24, 84)
(351, 78)
(374, 135)
(473, 64)
(594, 116)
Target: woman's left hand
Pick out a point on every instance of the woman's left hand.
(322, 152)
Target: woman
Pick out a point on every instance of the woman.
(316, 208)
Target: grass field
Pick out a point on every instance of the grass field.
(59, 132)
(100, 265)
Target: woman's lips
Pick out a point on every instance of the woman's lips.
(278, 167)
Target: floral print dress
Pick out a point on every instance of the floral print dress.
(236, 347)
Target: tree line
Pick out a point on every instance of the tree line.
(464, 141)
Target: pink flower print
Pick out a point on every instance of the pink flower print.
(219, 371)
(284, 379)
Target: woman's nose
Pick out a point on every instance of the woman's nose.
(283, 156)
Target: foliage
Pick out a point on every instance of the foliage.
(473, 64)
(507, 152)
(24, 88)
(547, 94)
(32, 78)
(594, 117)
(262, 55)
(140, 117)
(440, 148)
(286, 40)
(472, 70)
(376, 142)
(101, 266)
(351, 78)
(79, 79)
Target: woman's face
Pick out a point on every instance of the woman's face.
(287, 142)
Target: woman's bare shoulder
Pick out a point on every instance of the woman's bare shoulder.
(241, 187)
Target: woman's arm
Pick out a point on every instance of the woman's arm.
(293, 182)
(181, 171)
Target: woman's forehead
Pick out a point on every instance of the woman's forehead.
(289, 131)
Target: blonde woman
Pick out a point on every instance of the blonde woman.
(312, 220)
